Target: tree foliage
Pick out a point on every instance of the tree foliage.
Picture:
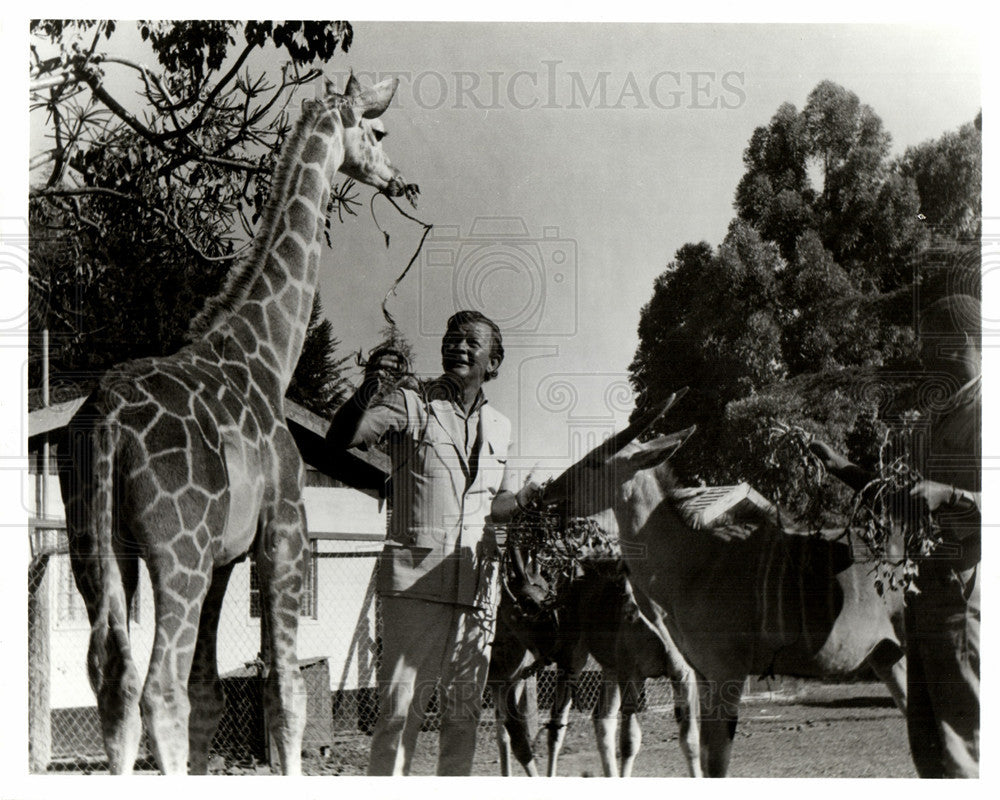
(804, 312)
(193, 143)
(151, 180)
(320, 382)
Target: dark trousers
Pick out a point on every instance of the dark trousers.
(942, 651)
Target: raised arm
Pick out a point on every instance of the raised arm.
(840, 467)
(348, 428)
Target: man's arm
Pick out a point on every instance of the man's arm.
(840, 467)
(352, 425)
(947, 497)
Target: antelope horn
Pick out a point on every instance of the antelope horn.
(596, 457)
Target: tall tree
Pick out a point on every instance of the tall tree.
(948, 175)
(804, 313)
(320, 382)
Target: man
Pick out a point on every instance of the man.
(942, 618)
(437, 576)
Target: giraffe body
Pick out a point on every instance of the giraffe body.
(186, 462)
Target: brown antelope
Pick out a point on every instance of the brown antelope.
(597, 615)
(737, 600)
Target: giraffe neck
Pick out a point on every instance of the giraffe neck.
(265, 306)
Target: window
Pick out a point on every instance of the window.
(309, 604)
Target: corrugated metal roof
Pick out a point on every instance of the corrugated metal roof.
(50, 418)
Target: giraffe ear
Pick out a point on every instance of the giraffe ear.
(353, 86)
(373, 102)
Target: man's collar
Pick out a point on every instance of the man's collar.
(443, 389)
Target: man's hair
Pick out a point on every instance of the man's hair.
(469, 316)
(955, 315)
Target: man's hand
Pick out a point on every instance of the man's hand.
(385, 364)
(529, 494)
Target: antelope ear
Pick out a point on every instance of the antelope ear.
(373, 102)
(353, 88)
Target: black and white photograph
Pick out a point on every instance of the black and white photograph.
(536, 395)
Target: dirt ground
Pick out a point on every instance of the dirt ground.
(804, 730)
(850, 730)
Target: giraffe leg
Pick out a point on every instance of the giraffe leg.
(105, 575)
(281, 564)
(179, 590)
(204, 687)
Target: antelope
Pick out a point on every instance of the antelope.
(597, 616)
(736, 600)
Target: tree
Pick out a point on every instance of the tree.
(775, 195)
(319, 382)
(196, 149)
(948, 176)
(804, 313)
(712, 325)
(148, 191)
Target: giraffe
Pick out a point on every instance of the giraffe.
(186, 462)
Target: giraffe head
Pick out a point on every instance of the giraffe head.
(364, 159)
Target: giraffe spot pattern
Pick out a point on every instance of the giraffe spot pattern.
(162, 515)
(302, 219)
(289, 249)
(168, 432)
(315, 150)
(205, 422)
(171, 470)
(192, 503)
(278, 325)
(309, 181)
(139, 417)
(291, 302)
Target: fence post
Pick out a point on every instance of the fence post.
(39, 710)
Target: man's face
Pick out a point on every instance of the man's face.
(465, 353)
